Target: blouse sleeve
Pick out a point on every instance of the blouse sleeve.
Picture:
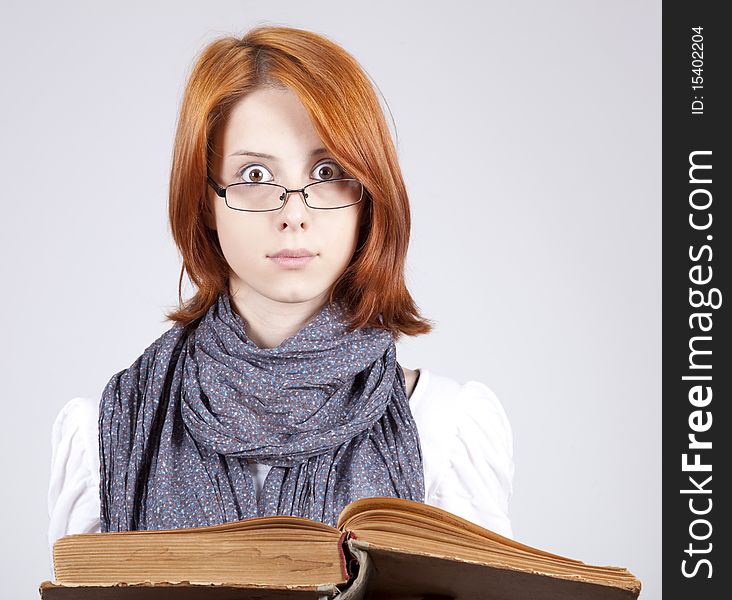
(73, 490)
(476, 479)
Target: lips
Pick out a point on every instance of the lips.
(292, 258)
(292, 253)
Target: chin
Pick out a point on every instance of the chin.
(295, 294)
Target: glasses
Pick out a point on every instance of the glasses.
(328, 194)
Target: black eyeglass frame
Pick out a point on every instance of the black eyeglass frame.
(221, 192)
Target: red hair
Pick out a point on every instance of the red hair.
(347, 116)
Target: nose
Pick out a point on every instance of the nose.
(295, 212)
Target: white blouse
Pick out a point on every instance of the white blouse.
(465, 436)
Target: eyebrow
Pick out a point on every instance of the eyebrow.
(315, 152)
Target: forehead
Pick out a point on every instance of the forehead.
(268, 120)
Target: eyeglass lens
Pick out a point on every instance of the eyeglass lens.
(324, 194)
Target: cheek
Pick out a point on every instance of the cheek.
(241, 243)
(342, 237)
(339, 247)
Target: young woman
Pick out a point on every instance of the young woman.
(277, 390)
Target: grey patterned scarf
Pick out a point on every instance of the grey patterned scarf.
(326, 408)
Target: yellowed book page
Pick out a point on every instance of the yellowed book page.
(285, 550)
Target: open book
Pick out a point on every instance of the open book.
(382, 548)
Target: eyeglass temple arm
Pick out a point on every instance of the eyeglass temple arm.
(217, 188)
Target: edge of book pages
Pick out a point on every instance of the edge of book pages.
(623, 578)
(359, 551)
(326, 590)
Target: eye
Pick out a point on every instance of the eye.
(252, 174)
(326, 172)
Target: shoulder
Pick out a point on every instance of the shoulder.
(126, 389)
(75, 440)
(467, 448)
(76, 420)
(440, 401)
(161, 350)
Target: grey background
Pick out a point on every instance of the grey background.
(529, 134)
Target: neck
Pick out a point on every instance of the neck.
(270, 322)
